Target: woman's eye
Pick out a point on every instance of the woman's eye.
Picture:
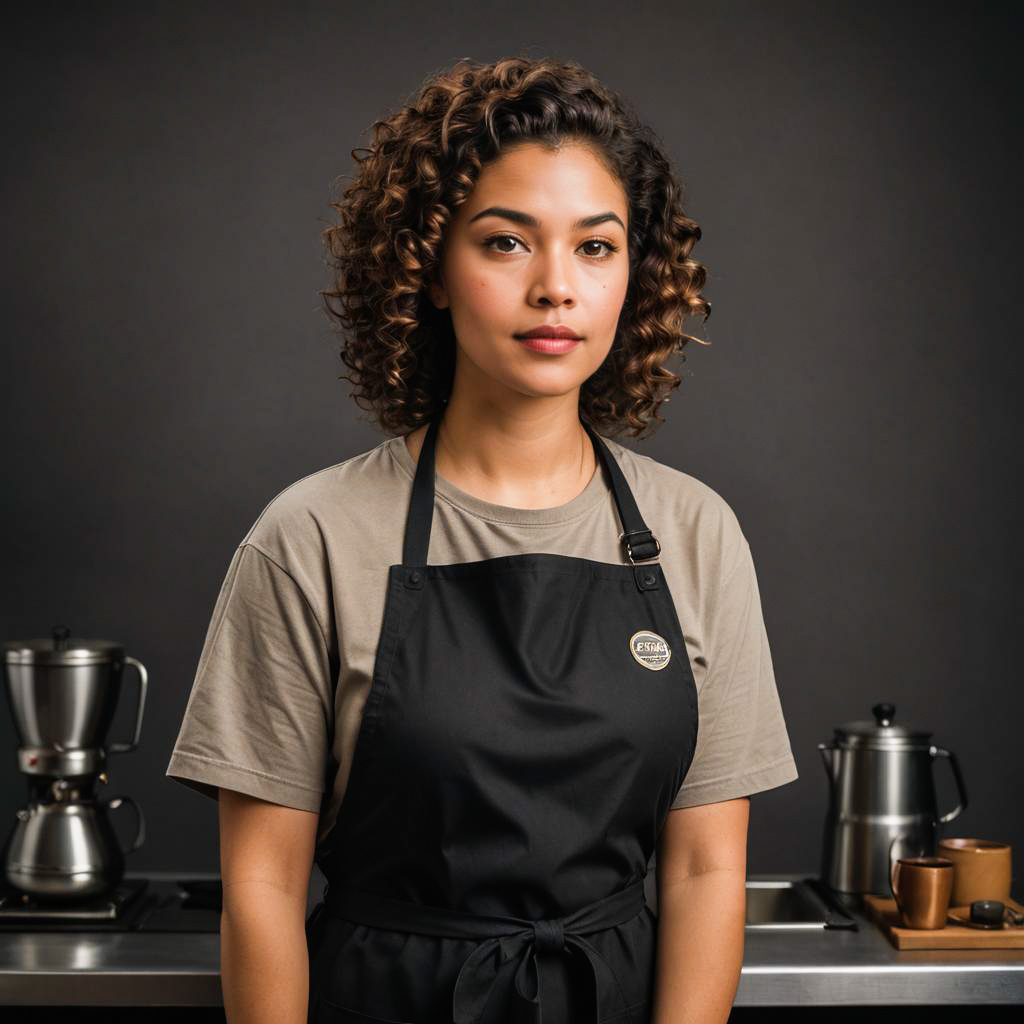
(600, 241)
(489, 244)
(496, 238)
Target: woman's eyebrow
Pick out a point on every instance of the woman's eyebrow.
(524, 218)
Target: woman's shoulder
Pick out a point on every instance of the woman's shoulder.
(666, 484)
(682, 505)
(336, 503)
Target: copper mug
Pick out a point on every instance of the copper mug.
(982, 869)
(922, 887)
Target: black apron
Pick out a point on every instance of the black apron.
(530, 719)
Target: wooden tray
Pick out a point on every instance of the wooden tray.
(952, 936)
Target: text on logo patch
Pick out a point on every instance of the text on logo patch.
(649, 649)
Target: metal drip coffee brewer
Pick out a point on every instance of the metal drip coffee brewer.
(63, 850)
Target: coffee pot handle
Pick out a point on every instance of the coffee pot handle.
(961, 789)
(828, 756)
(140, 834)
(124, 748)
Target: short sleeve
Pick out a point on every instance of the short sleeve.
(259, 718)
(742, 742)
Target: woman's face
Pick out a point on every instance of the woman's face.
(540, 241)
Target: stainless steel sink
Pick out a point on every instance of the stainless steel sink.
(793, 903)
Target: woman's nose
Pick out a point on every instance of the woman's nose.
(553, 283)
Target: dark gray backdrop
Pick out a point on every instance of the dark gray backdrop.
(167, 369)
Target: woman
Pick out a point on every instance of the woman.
(453, 668)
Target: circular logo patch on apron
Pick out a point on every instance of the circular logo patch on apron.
(649, 649)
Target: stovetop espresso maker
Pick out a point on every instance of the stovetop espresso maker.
(882, 803)
(63, 693)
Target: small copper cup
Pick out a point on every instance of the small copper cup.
(921, 887)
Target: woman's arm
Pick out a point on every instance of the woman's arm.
(701, 870)
(266, 855)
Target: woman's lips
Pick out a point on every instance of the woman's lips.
(551, 346)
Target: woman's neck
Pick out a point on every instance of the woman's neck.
(521, 464)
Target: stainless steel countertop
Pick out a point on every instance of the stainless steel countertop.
(795, 967)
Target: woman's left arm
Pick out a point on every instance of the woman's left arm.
(701, 870)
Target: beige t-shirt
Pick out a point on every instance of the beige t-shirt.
(288, 657)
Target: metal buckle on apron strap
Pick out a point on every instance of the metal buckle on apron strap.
(646, 577)
(504, 938)
(646, 540)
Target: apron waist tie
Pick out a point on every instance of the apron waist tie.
(506, 937)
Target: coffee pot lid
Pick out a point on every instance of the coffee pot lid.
(881, 730)
(60, 648)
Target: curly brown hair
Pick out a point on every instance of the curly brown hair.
(424, 161)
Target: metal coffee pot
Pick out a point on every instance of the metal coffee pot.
(882, 803)
(66, 847)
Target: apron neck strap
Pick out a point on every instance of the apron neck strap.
(638, 541)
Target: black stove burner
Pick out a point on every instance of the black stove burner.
(16, 906)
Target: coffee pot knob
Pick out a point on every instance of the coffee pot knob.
(883, 713)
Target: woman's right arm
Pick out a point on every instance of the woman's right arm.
(266, 856)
